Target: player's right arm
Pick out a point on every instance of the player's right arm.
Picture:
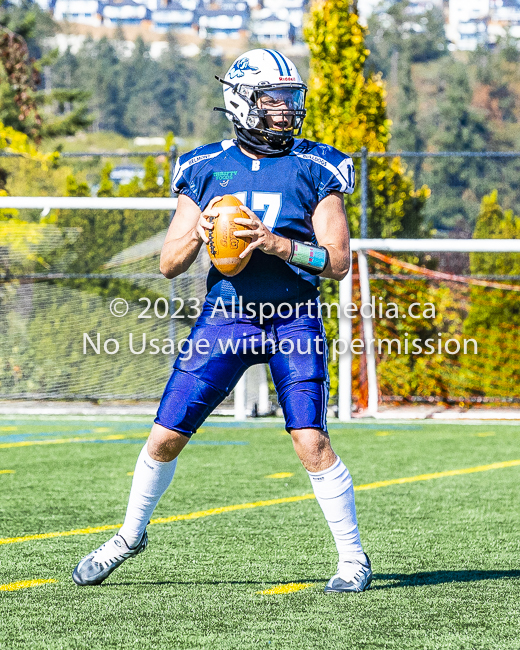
(186, 234)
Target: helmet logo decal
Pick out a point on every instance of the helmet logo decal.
(240, 67)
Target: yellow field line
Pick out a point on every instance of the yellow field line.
(429, 477)
(59, 441)
(25, 584)
(223, 509)
(65, 533)
(286, 589)
(261, 504)
(7, 471)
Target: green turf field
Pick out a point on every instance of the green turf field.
(445, 550)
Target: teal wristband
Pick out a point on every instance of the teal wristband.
(308, 257)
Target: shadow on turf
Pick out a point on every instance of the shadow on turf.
(398, 579)
(438, 577)
(158, 583)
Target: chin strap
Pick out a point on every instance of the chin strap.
(257, 145)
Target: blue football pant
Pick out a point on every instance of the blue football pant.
(219, 350)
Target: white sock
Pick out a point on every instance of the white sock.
(151, 480)
(335, 493)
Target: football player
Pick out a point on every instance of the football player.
(293, 189)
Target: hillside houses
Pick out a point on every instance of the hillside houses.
(279, 22)
(266, 21)
(481, 22)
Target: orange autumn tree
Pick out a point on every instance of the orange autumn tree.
(346, 108)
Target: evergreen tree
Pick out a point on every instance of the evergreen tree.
(457, 183)
(173, 91)
(99, 73)
(138, 95)
(139, 80)
(406, 133)
(421, 37)
(211, 125)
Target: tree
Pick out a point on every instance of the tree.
(495, 223)
(15, 142)
(494, 314)
(99, 72)
(137, 95)
(24, 105)
(104, 233)
(394, 32)
(140, 76)
(458, 183)
(19, 239)
(347, 109)
(497, 70)
(19, 79)
(406, 134)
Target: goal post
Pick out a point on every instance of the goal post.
(35, 295)
(360, 247)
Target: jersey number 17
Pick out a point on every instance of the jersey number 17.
(268, 203)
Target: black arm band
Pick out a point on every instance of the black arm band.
(308, 257)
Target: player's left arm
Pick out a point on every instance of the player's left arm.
(331, 229)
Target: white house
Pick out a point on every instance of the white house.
(151, 4)
(274, 5)
(481, 21)
(467, 23)
(44, 4)
(506, 11)
(223, 23)
(86, 12)
(124, 12)
(421, 6)
(174, 17)
(463, 11)
(271, 29)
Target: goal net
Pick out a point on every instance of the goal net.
(445, 325)
(111, 333)
(445, 328)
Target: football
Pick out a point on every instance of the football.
(223, 247)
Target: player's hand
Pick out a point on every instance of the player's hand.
(203, 223)
(261, 237)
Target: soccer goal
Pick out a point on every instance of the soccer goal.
(70, 331)
(429, 321)
(417, 320)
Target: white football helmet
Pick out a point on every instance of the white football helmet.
(265, 82)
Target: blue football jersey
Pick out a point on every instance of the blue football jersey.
(284, 192)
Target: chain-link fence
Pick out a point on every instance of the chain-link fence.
(59, 335)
